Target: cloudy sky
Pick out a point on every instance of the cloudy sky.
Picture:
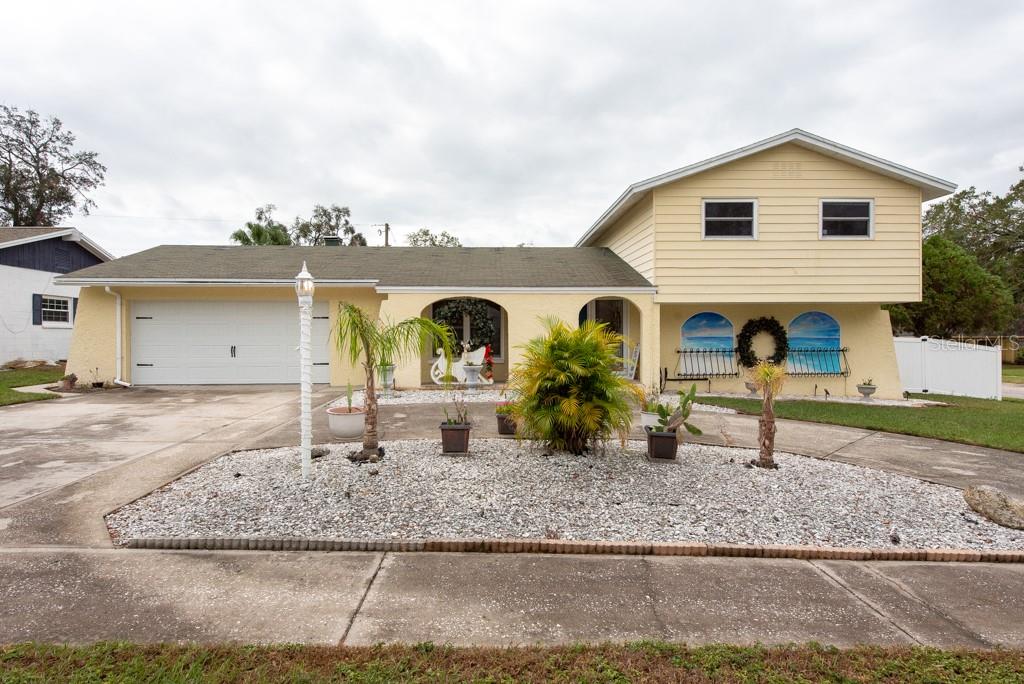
(502, 122)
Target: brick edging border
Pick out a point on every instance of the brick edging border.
(560, 546)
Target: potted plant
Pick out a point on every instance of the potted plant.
(649, 409)
(866, 388)
(455, 428)
(346, 422)
(506, 425)
(663, 439)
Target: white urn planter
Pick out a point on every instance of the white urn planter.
(648, 419)
(345, 422)
(387, 379)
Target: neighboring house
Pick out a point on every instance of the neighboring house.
(797, 228)
(36, 316)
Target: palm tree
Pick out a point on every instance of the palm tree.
(769, 378)
(258, 234)
(376, 343)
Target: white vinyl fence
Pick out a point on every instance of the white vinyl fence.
(948, 367)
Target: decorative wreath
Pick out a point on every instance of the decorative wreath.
(751, 329)
(481, 326)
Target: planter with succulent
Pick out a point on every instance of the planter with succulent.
(455, 428)
(649, 409)
(346, 422)
(503, 412)
(663, 439)
(866, 388)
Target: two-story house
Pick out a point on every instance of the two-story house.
(36, 315)
(795, 240)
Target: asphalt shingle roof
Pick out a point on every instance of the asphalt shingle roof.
(391, 266)
(8, 234)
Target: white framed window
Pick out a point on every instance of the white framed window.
(846, 219)
(729, 219)
(56, 312)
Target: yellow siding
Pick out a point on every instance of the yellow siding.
(863, 328)
(788, 262)
(632, 238)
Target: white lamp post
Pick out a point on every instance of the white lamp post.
(304, 287)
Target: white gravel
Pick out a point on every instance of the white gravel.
(505, 489)
(481, 396)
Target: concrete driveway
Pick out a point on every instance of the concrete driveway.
(78, 452)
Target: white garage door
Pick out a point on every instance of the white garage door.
(223, 343)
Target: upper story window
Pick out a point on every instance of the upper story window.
(847, 218)
(730, 218)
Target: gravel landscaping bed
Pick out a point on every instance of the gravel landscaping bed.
(481, 396)
(506, 489)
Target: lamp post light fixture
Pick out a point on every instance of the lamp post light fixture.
(304, 287)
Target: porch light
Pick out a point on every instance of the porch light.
(304, 287)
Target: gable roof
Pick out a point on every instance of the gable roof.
(384, 268)
(931, 187)
(13, 236)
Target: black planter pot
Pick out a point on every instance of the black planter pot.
(506, 426)
(454, 439)
(662, 445)
(97, 385)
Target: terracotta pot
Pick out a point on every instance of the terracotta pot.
(662, 445)
(346, 423)
(454, 439)
(506, 426)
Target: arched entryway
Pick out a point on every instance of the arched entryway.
(477, 323)
(622, 317)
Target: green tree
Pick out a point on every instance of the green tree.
(569, 394)
(959, 296)
(424, 238)
(264, 230)
(990, 227)
(326, 222)
(43, 179)
(373, 342)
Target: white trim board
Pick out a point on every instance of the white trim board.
(69, 235)
(931, 186)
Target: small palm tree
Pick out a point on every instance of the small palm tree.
(769, 378)
(256, 234)
(568, 392)
(375, 342)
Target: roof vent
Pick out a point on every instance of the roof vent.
(332, 241)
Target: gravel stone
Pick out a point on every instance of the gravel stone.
(507, 489)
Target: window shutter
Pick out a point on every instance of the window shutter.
(37, 309)
(74, 309)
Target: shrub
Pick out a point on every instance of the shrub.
(568, 393)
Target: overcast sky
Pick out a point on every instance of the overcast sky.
(502, 122)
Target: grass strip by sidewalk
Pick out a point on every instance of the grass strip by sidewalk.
(1014, 374)
(983, 422)
(24, 377)
(640, 662)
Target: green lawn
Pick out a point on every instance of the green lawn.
(27, 376)
(635, 662)
(983, 422)
(1013, 373)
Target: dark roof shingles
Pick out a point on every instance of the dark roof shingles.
(438, 267)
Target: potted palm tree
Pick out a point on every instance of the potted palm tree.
(346, 422)
(455, 428)
(663, 439)
(367, 340)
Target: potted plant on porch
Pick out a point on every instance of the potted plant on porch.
(455, 428)
(663, 439)
(346, 422)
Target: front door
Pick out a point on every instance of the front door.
(610, 311)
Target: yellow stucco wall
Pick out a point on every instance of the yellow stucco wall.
(864, 328)
(788, 261)
(93, 342)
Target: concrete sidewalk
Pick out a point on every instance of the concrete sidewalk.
(77, 595)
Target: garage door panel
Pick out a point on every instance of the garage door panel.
(184, 342)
